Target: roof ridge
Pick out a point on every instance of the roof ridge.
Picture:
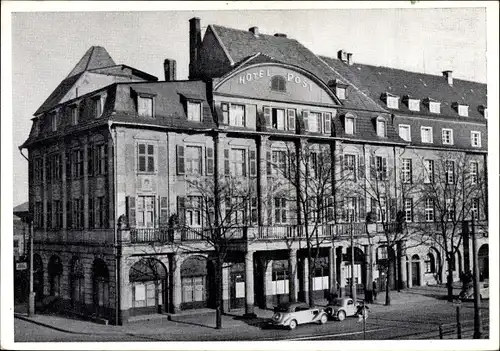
(246, 31)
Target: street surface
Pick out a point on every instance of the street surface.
(414, 315)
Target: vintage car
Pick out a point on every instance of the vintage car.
(468, 293)
(292, 314)
(343, 307)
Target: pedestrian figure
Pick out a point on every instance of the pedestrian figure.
(374, 285)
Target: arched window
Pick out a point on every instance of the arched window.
(101, 286)
(55, 269)
(278, 83)
(148, 284)
(430, 263)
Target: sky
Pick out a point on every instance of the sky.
(47, 45)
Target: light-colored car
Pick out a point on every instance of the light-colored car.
(468, 293)
(343, 307)
(292, 314)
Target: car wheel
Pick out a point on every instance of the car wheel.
(293, 324)
(341, 316)
(323, 319)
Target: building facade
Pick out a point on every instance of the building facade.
(121, 167)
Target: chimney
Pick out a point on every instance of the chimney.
(342, 55)
(194, 46)
(169, 66)
(349, 59)
(449, 76)
(255, 31)
(280, 35)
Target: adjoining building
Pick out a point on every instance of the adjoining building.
(113, 152)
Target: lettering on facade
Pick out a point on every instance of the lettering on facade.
(261, 73)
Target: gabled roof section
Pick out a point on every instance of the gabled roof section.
(58, 93)
(240, 45)
(95, 57)
(374, 81)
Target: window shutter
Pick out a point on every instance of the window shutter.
(361, 167)
(291, 119)
(253, 163)
(384, 168)
(181, 169)
(411, 172)
(130, 204)
(268, 162)
(226, 162)
(373, 168)
(69, 217)
(210, 160)
(244, 164)
(362, 209)
(393, 212)
(163, 211)
(412, 212)
(305, 116)
(342, 166)
(181, 210)
(267, 116)
(327, 118)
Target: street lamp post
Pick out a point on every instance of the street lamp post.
(353, 286)
(31, 296)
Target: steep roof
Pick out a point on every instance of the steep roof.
(375, 80)
(95, 57)
(240, 45)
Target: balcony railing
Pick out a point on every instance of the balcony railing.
(203, 234)
(147, 235)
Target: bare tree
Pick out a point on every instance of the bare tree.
(393, 193)
(223, 204)
(453, 187)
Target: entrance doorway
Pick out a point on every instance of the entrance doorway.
(415, 270)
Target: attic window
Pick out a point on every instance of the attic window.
(392, 101)
(278, 83)
(54, 121)
(350, 124)
(340, 92)
(463, 110)
(413, 104)
(483, 110)
(434, 106)
(97, 106)
(381, 127)
(145, 106)
(194, 111)
(74, 114)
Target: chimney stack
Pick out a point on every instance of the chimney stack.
(255, 31)
(349, 59)
(449, 76)
(342, 56)
(169, 66)
(194, 46)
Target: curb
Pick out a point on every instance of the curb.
(28, 319)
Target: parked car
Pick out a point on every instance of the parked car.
(343, 307)
(468, 292)
(292, 314)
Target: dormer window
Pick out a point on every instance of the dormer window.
(278, 83)
(413, 104)
(340, 92)
(54, 121)
(145, 106)
(74, 114)
(463, 110)
(350, 124)
(97, 106)
(381, 127)
(392, 101)
(433, 105)
(483, 110)
(194, 111)
(339, 88)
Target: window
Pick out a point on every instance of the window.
(474, 171)
(38, 214)
(145, 106)
(406, 170)
(238, 162)
(340, 93)
(38, 165)
(146, 156)
(280, 211)
(236, 210)
(278, 118)
(381, 167)
(102, 159)
(278, 83)
(351, 209)
(145, 211)
(428, 171)
(349, 125)
(314, 122)
(74, 114)
(77, 165)
(447, 135)
(450, 209)
(430, 264)
(475, 208)
(381, 125)
(404, 132)
(350, 166)
(314, 170)
(97, 104)
(101, 220)
(49, 215)
(463, 110)
(475, 139)
(426, 134)
(237, 115)
(434, 107)
(381, 209)
(54, 121)
(450, 172)
(254, 211)
(193, 211)
(194, 111)
(279, 163)
(58, 214)
(225, 112)
(429, 210)
(414, 105)
(77, 215)
(408, 210)
(393, 102)
(193, 160)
